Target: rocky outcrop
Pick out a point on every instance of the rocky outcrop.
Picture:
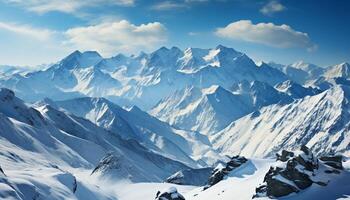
(293, 172)
(221, 171)
(169, 194)
(333, 161)
(197, 177)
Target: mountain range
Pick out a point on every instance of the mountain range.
(86, 125)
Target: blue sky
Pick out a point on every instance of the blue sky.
(33, 32)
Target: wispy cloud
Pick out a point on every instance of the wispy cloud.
(269, 34)
(272, 7)
(176, 4)
(66, 6)
(120, 36)
(28, 31)
(168, 5)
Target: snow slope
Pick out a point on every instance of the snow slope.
(320, 122)
(40, 151)
(340, 70)
(240, 184)
(211, 109)
(189, 147)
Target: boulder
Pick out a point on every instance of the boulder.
(169, 194)
(333, 161)
(221, 171)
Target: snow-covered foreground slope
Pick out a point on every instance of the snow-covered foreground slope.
(320, 122)
(240, 184)
(40, 151)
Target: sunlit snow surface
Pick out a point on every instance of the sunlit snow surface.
(240, 184)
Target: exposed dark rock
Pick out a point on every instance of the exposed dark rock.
(198, 177)
(75, 185)
(291, 175)
(333, 161)
(2, 171)
(332, 171)
(221, 171)
(110, 161)
(169, 194)
(284, 156)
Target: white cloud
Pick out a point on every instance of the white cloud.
(25, 30)
(272, 7)
(269, 34)
(27, 45)
(67, 6)
(121, 36)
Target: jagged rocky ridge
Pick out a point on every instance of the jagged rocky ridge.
(296, 171)
(197, 177)
(221, 170)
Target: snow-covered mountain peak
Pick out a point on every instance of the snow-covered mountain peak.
(304, 65)
(192, 60)
(79, 59)
(136, 111)
(345, 64)
(212, 89)
(162, 59)
(226, 52)
(164, 52)
(340, 70)
(45, 101)
(296, 90)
